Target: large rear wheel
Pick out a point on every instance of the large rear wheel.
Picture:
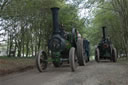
(41, 61)
(80, 52)
(73, 59)
(74, 35)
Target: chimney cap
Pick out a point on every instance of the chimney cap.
(55, 8)
(104, 27)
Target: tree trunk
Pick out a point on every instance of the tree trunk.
(10, 46)
(27, 48)
(19, 49)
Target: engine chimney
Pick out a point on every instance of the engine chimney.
(104, 32)
(55, 20)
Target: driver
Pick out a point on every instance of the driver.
(63, 32)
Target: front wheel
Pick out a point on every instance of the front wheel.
(73, 59)
(114, 55)
(41, 61)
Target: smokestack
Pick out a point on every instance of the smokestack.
(55, 20)
(104, 32)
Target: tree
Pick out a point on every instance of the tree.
(28, 23)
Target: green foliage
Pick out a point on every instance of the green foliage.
(28, 23)
(110, 14)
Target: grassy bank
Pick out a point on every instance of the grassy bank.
(10, 65)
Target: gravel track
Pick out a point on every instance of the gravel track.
(103, 73)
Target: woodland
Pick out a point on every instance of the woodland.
(26, 25)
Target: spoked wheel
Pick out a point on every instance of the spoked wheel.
(73, 59)
(114, 55)
(97, 55)
(41, 61)
(80, 53)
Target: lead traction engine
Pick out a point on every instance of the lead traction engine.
(63, 46)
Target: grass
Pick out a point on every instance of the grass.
(12, 64)
(123, 60)
(6, 57)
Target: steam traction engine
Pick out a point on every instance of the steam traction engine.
(105, 49)
(63, 46)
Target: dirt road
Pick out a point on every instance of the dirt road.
(104, 73)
